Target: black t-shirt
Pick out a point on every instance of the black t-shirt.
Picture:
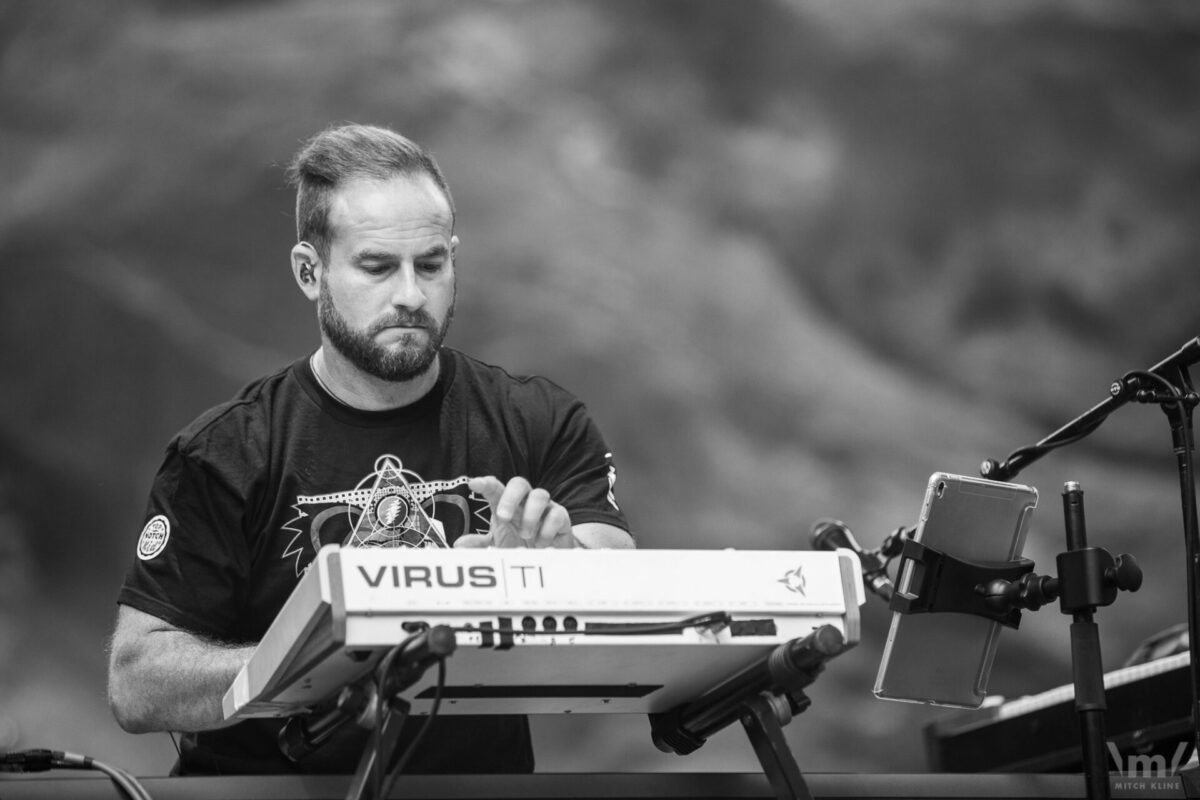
(251, 489)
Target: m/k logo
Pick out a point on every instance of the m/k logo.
(1146, 772)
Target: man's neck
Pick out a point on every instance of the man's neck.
(357, 389)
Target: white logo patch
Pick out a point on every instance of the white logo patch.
(154, 538)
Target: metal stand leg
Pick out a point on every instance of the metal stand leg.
(377, 756)
(1181, 429)
(1087, 666)
(762, 725)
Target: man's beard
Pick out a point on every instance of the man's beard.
(361, 349)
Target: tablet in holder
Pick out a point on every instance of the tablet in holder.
(945, 658)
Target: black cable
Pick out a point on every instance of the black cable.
(1190, 545)
(382, 778)
(129, 784)
(382, 672)
(1188, 486)
(38, 760)
(1180, 401)
(412, 746)
(175, 743)
(1036, 451)
(41, 760)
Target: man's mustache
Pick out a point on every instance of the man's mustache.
(411, 319)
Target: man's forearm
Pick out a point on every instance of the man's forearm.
(597, 535)
(172, 681)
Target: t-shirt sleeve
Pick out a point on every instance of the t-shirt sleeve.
(579, 470)
(191, 563)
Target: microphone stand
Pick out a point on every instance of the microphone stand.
(1088, 577)
(1169, 385)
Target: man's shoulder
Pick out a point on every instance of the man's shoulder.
(244, 419)
(474, 374)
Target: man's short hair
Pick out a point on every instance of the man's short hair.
(346, 152)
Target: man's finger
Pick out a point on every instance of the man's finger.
(511, 499)
(556, 528)
(474, 540)
(489, 487)
(537, 503)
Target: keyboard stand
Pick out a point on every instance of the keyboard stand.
(764, 697)
(765, 731)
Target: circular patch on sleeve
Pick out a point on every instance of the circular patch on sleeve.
(154, 538)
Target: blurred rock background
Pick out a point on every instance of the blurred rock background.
(795, 255)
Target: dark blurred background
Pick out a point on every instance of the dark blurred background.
(796, 256)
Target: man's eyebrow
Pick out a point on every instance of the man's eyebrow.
(437, 251)
(373, 255)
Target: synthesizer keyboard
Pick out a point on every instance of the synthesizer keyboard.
(1149, 711)
(544, 631)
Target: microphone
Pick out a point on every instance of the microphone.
(830, 534)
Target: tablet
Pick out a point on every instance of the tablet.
(944, 658)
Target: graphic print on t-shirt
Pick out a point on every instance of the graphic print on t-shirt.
(390, 507)
(393, 516)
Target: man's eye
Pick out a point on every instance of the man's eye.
(430, 266)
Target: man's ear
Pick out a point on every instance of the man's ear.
(454, 249)
(306, 265)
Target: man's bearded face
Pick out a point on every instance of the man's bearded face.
(409, 358)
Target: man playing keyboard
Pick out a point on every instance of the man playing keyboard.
(382, 437)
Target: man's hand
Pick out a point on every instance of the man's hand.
(522, 516)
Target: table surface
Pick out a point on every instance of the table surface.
(61, 785)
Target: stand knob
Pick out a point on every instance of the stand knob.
(1125, 573)
(1031, 592)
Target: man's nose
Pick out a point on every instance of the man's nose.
(406, 292)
